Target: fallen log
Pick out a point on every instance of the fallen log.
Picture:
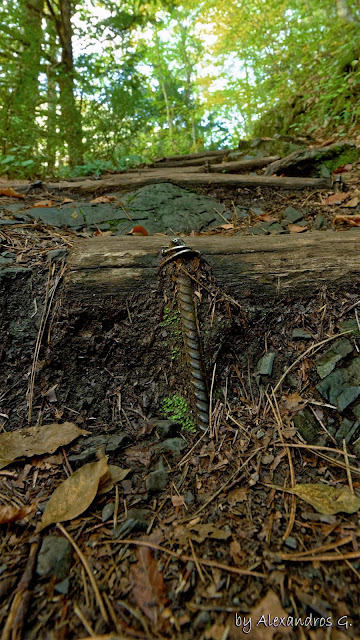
(242, 165)
(257, 270)
(190, 156)
(192, 162)
(317, 155)
(156, 176)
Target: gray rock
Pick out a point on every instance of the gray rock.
(241, 213)
(324, 171)
(202, 620)
(342, 386)
(56, 254)
(319, 222)
(136, 520)
(162, 206)
(167, 428)
(356, 410)
(293, 215)
(259, 230)
(351, 325)
(5, 260)
(6, 222)
(107, 512)
(12, 273)
(301, 334)
(265, 364)
(112, 443)
(171, 445)
(55, 217)
(54, 559)
(276, 229)
(290, 542)
(346, 430)
(307, 426)
(63, 586)
(157, 480)
(328, 360)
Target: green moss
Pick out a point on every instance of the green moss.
(113, 224)
(176, 408)
(171, 317)
(346, 157)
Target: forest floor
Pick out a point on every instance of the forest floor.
(157, 530)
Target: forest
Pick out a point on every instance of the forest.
(93, 85)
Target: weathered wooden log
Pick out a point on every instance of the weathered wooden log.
(156, 176)
(243, 165)
(192, 162)
(191, 156)
(254, 269)
(309, 156)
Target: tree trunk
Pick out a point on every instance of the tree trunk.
(23, 129)
(71, 117)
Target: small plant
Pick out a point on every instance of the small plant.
(176, 408)
(175, 353)
(171, 317)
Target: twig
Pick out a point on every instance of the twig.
(86, 624)
(348, 470)
(186, 558)
(88, 571)
(309, 350)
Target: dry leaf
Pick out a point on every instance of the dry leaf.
(352, 219)
(336, 198)
(266, 217)
(293, 402)
(327, 500)
(108, 481)
(75, 494)
(345, 167)
(295, 228)
(238, 495)
(44, 203)
(10, 192)
(103, 199)
(259, 615)
(36, 441)
(66, 200)
(198, 532)
(148, 584)
(11, 514)
(178, 501)
(227, 226)
(352, 203)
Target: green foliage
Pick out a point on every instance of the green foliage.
(171, 317)
(176, 408)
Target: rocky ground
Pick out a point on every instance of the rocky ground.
(227, 540)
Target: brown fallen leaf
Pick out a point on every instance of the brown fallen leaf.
(293, 402)
(66, 200)
(295, 228)
(266, 217)
(238, 495)
(178, 501)
(198, 533)
(12, 514)
(227, 227)
(351, 204)
(351, 219)
(343, 168)
(336, 198)
(44, 204)
(325, 499)
(73, 496)
(148, 584)
(113, 475)
(103, 199)
(263, 621)
(36, 441)
(8, 191)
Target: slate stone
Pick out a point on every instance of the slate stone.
(300, 334)
(276, 229)
(290, 542)
(346, 430)
(136, 520)
(342, 386)
(241, 213)
(112, 443)
(259, 230)
(293, 215)
(55, 217)
(165, 205)
(326, 363)
(5, 222)
(167, 428)
(171, 445)
(319, 222)
(356, 410)
(56, 254)
(307, 426)
(157, 480)
(265, 364)
(5, 260)
(324, 171)
(14, 206)
(63, 586)
(351, 325)
(108, 511)
(54, 559)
